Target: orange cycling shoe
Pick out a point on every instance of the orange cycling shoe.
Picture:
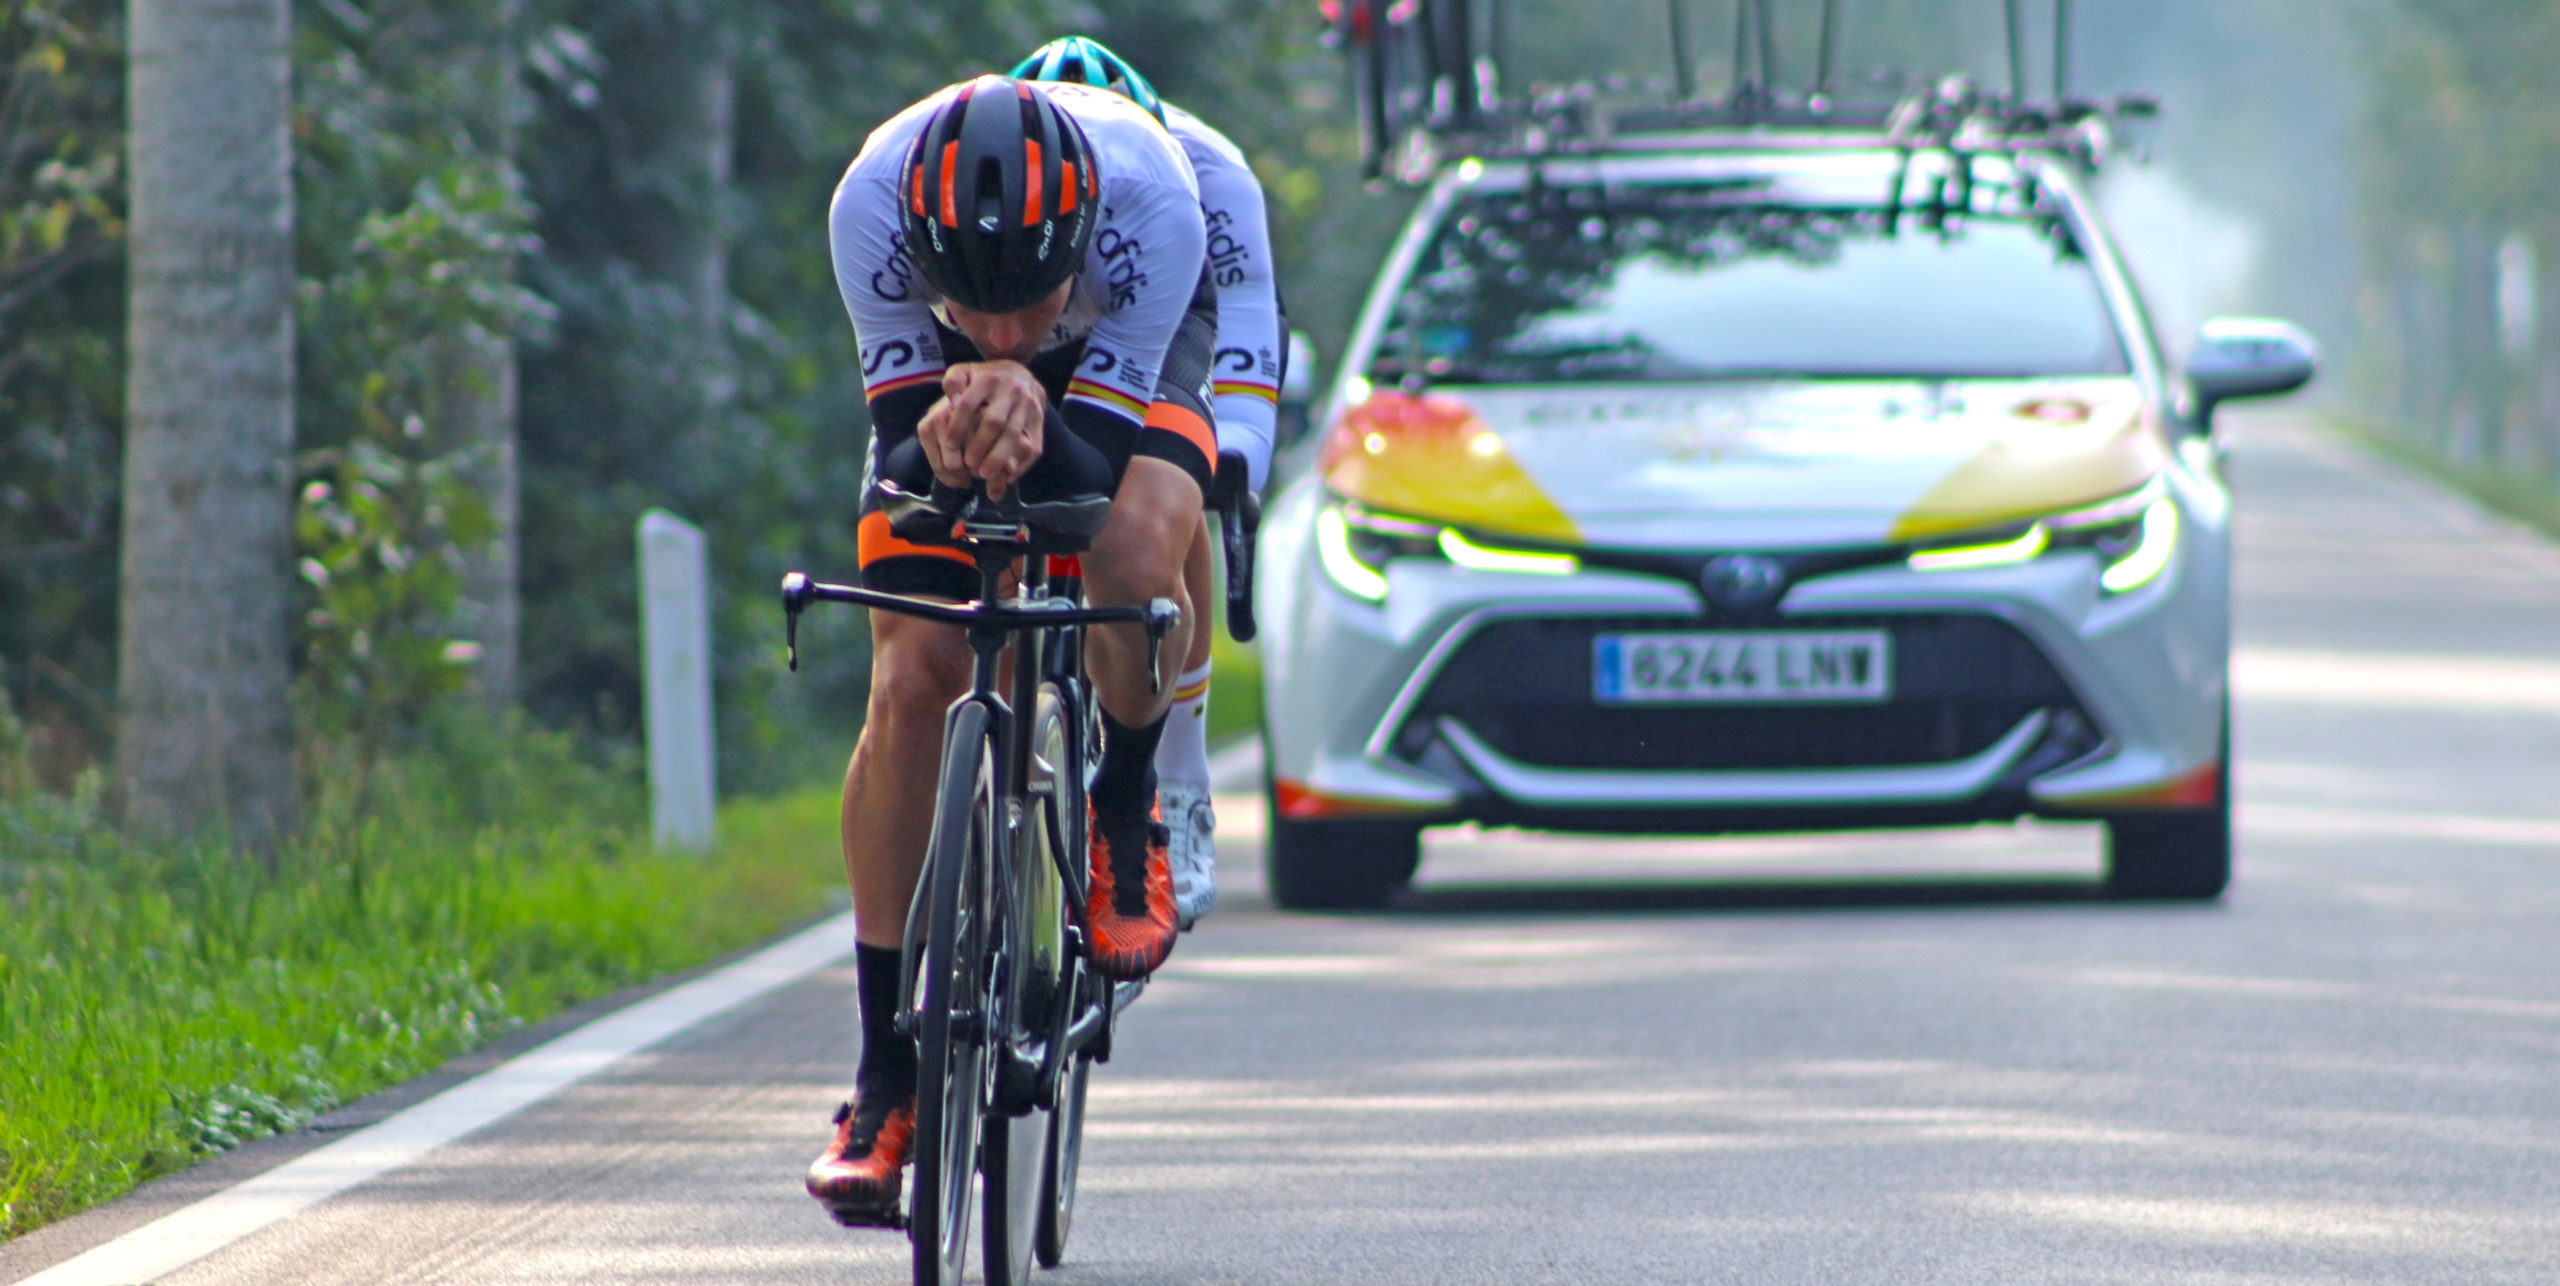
(857, 1177)
(1133, 922)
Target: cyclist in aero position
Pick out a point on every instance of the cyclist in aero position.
(1025, 272)
(1246, 396)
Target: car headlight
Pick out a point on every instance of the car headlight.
(2133, 535)
(1342, 563)
(2150, 553)
(1355, 545)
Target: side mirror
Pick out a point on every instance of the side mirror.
(1298, 387)
(2245, 357)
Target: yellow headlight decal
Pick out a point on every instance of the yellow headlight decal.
(1430, 456)
(2036, 469)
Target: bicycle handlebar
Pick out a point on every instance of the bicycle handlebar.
(1016, 617)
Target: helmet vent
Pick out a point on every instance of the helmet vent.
(990, 212)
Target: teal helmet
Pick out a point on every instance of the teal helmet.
(1083, 60)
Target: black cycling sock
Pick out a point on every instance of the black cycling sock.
(1124, 796)
(887, 1071)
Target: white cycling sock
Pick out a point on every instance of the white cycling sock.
(1183, 756)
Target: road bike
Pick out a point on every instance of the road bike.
(999, 991)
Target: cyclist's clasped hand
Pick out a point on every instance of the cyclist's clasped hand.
(987, 427)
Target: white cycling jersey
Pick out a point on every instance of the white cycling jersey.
(1138, 276)
(1245, 374)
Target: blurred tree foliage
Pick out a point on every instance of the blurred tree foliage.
(409, 222)
(645, 222)
(61, 367)
(2462, 234)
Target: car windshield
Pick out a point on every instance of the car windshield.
(1696, 284)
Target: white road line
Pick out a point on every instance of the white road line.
(175, 1240)
(2504, 684)
(2370, 823)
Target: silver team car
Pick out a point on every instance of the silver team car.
(1792, 484)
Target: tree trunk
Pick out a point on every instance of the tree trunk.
(476, 374)
(684, 136)
(204, 733)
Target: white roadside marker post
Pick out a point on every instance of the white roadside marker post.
(675, 633)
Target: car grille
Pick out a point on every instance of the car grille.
(1524, 687)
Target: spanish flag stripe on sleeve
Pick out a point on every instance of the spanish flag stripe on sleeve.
(888, 386)
(1094, 391)
(1245, 388)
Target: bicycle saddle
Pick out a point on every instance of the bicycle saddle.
(943, 516)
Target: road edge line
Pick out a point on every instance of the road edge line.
(194, 1231)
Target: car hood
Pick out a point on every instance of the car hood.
(1777, 465)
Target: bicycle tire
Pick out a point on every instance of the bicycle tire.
(1065, 1152)
(1065, 1149)
(1016, 1148)
(951, 1062)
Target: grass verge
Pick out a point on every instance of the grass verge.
(2511, 494)
(1235, 694)
(159, 1003)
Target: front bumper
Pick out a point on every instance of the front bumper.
(2071, 702)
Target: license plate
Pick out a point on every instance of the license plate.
(1756, 666)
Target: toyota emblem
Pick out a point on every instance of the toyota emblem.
(1744, 582)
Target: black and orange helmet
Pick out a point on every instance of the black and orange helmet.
(999, 199)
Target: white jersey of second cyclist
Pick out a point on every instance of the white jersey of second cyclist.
(1137, 281)
(1245, 375)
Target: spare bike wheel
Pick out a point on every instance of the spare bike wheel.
(951, 996)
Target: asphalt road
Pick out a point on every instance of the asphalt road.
(1895, 1058)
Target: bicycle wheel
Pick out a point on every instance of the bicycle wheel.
(951, 1003)
(1066, 1149)
(1016, 1147)
(1066, 1124)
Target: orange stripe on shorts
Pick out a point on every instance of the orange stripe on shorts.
(872, 541)
(1175, 418)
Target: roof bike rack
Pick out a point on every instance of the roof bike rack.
(1429, 87)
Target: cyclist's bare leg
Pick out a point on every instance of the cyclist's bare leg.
(918, 668)
(1140, 556)
(1199, 581)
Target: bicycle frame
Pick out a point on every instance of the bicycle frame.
(983, 948)
(991, 623)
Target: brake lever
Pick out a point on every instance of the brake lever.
(1162, 616)
(1239, 515)
(1236, 528)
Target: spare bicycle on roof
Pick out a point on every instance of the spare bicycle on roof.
(1430, 87)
